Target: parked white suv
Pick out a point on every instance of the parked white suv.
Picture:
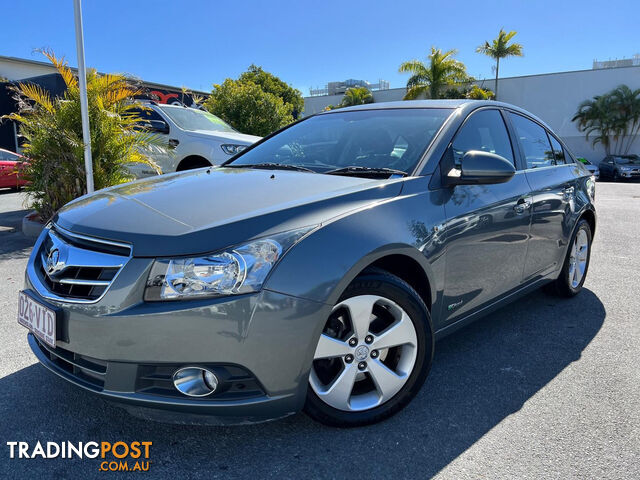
(198, 138)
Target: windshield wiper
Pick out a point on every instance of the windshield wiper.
(360, 170)
(272, 166)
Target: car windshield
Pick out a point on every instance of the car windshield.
(371, 139)
(627, 160)
(10, 156)
(192, 119)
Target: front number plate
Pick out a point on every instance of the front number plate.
(38, 318)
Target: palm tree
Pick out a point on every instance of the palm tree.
(500, 48)
(441, 71)
(594, 118)
(612, 119)
(626, 107)
(356, 96)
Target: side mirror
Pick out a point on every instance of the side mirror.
(157, 126)
(480, 168)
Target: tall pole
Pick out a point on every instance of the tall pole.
(84, 104)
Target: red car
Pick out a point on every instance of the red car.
(11, 167)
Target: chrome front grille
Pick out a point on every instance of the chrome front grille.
(74, 267)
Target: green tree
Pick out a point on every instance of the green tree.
(356, 96)
(612, 119)
(272, 84)
(248, 108)
(441, 71)
(54, 144)
(500, 48)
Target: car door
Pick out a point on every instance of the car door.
(8, 167)
(487, 226)
(553, 188)
(153, 122)
(6, 177)
(606, 167)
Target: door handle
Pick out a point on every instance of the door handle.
(522, 205)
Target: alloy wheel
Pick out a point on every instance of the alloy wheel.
(365, 354)
(578, 258)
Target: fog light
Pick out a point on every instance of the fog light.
(195, 381)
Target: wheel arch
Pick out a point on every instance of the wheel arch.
(405, 262)
(409, 270)
(590, 216)
(192, 161)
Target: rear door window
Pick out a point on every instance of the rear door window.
(559, 156)
(145, 115)
(534, 141)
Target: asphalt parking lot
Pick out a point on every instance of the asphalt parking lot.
(543, 388)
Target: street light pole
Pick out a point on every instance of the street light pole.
(84, 104)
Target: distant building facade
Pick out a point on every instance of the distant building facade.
(338, 88)
(554, 97)
(623, 62)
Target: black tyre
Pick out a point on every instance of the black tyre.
(576, 264)
(615, 177)
(191, 163)
(374, 353)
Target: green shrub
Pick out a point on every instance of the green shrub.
(272, 84)
(477, 93)
(248, 108)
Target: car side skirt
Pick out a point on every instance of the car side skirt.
(495, 305)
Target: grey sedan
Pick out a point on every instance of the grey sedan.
(315, 270)
(620, 167)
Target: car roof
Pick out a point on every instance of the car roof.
(153, 103)
(449, 103)
(464, 105)
(168, 105)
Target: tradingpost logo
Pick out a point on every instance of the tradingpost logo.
(113, 456)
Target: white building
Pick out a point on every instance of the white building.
(554, 97)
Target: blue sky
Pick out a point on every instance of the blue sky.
(198, 43)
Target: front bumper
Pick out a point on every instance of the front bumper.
(253, 408)
(263, 361)
(261, 345)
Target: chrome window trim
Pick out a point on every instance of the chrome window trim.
(547, 167)
(45, 293)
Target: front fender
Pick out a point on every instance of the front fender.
(321, 266)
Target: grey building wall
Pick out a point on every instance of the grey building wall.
(553, 97)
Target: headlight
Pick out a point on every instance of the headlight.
(591, 187)
(233, 271)
(232, 149)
